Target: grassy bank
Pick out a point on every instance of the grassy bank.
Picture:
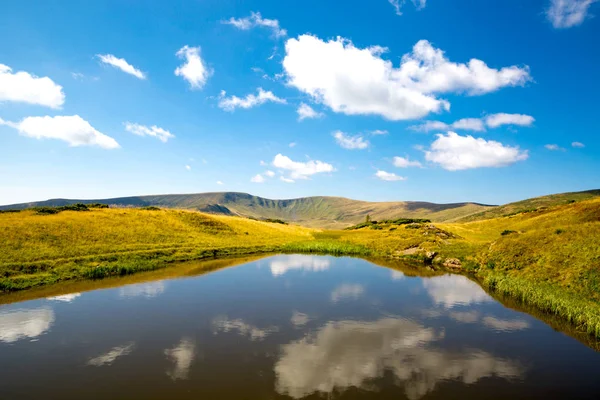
(548, 258)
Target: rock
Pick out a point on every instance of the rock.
(429, 256)
(453, 263)
(411, 251)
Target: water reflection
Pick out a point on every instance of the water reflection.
(22, 324)
(111, 356)
(347, 291)
(453, 290)
(152, 289)
(281, 265)
(489, 322)
(299, 319)
(352, 353)
(182, 356)
(65, 298)
(224, 324)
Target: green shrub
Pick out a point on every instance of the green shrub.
(507, 232)
(151, 208)
(275, 221)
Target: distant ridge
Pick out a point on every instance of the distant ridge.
(318, 211)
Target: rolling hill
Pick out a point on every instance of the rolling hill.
(319, 211)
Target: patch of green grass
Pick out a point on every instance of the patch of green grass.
(327, 247)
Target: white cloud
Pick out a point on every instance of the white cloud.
(402, 162)
(188, 167)
(353, 354)
(388, 176)
(72, 129)
(292, 144)
(379, 132)
(568, 13)
(263, 163)
(251, 100)
(182, 357)
(111, 356)
(220, 183)
(347, 291)
(353, 81)
(65, 298)
(194, 69)
(453, 290)
(23, 87)
(154, 131)
(306, 112)
(283, 264)
(258, 178)
(22, 324)
(301, 170)
(121, 64)
(553, 147)
(254, 20)
(397, 4)
(286, 180)
(496, 120)
(454, 152)
(356, 142)
(224, 324)
(577, 145)
(269, 173)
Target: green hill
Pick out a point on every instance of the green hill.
(529, 205)
(319, 211)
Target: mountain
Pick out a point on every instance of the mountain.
(319, 211)
(532, 204)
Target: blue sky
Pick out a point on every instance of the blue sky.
(488, 101)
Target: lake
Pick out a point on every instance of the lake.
(288, 326)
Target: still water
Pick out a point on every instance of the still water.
(289, 326)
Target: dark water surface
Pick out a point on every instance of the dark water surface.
(291, 326)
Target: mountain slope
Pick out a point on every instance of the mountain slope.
(532, 204)
(319, 211)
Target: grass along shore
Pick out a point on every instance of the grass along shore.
(548, 258)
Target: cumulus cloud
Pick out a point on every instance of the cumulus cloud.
(220, 183)
(111, 356)
(286, 180)
(453, 290)
(345, 354)
(161, 134)
(193, 69)
(258, 178)
(388, 176)
(476, 124)
(352, 80)
(307, 112)
(122, 64)
(24, 87)
(301, 170)
(256, 20)
(25, 324)
(454, 152)
(505, 325)
(269, 173)
(72, 129)
(224, 324)
(182, 357)
(355, 142)
(251, 100)
(496, 120)
(568, 13)
(402, 162)
(283, 264)
(577, 145)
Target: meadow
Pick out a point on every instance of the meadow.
(547, 257)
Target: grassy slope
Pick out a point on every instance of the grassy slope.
(531, 204)
(320, 211)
